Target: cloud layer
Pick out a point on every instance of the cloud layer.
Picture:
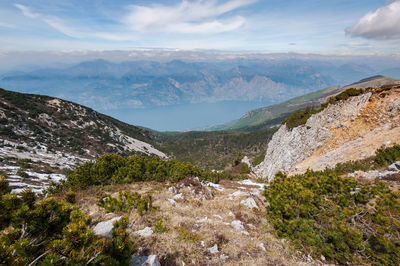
(383, 24)
(195, 17)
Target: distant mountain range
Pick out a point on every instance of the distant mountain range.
(105, 85)
(123, 89)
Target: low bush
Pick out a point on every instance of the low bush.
(385, 156)
(50, 231)
(325, 214)
(126, 201)
(159, 227)
(115, 169)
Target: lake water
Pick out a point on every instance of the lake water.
(185, 117)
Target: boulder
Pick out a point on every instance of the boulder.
(178, 196)
(145, 261)
(249, 203)
(104, 229)
(237, 225)
(145, 232)
(394, 167)
(213, 249)
(173, 190)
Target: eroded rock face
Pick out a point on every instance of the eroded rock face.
(349, 130)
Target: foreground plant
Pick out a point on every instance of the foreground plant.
(126, 201)
(325, 214)
(50, 231)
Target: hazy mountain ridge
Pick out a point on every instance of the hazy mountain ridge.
(105, 85)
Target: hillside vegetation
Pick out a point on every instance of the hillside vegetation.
(216, 150)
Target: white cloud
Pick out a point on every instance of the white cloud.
(383, 24)
(26, 11)
(61, 26)
(186, 17)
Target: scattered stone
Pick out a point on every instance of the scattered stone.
(223, 257)
(261, 245)
(249, 182)
(202, 243)
(145, 232)
(105, 228)
(246, 160)
(173, 190)
(237, 225)
(202, 220)
(173, 202)
(242, 188)
(214, 249)
(145, 261)
(323, 258)
(238, 193)
(217, 216)
(394, 167)
(179, 196)
(249, 203)
(216, 186)
(231, 214)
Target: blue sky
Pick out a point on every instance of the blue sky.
(305, 26)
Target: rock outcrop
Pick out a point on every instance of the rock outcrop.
(349, 130)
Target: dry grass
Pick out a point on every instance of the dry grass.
(189, 234)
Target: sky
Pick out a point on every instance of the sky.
(303, 26)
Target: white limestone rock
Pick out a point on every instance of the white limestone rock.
(178, 196)
(104, 229)
(249, 203)
(237, 225)
(145, 232)
(214, 249)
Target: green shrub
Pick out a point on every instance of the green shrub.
(300, 117)
(52, 232)
(325, 214)
(244, 170)
(115, 169)
(125, 202)
(345, 95)
(186, 235)
(386, 156)
(159, 227)
(259, 159)
(70, 197)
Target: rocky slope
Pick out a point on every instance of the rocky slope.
(348, 130)
(268, 116)
(50, 134)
